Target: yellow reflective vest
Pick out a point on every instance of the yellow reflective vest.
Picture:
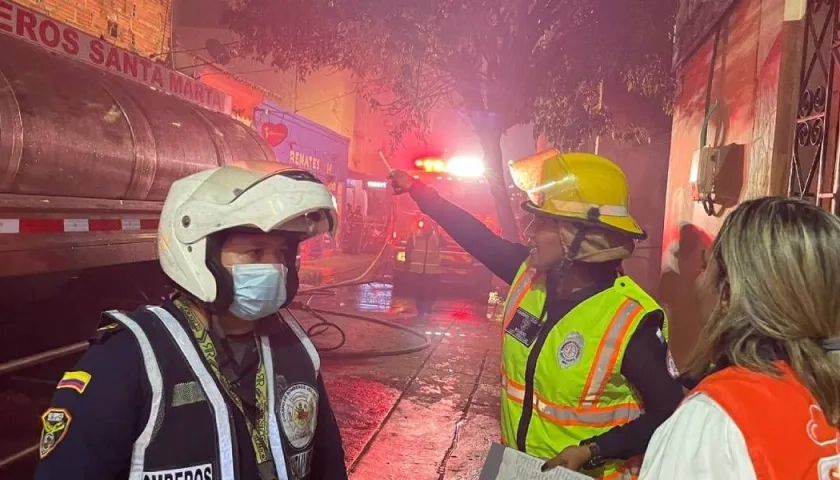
(578, 391)
(425, 256)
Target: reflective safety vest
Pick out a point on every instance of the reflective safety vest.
(190, 432)
(572, 368)
(425, 253)
(786, 432)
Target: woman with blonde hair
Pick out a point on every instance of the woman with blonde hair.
(766, 404)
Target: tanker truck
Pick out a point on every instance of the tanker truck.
(86, 159)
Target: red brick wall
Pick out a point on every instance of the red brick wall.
(142, 25)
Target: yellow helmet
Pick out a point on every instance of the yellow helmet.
(576, 186)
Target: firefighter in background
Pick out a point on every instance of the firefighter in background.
(423, 254)
(768, 401)
(213, 384)
(584, 360)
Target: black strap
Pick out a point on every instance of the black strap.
(554, 310)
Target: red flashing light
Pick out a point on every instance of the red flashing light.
(436, 165)
(420, 224)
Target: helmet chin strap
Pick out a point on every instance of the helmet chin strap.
(573, 249)
(566, 263)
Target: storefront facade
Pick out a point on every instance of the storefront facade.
(302, 143)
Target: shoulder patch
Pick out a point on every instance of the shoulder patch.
(76, 380)
(55, 422)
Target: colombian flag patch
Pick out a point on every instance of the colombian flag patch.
(77, 381)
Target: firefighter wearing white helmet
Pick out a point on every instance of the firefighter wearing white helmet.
(214, 384)
(584, 369)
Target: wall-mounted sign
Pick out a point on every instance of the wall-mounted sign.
(309, 162)
(66, 40)
(274, 133)
(303, 143)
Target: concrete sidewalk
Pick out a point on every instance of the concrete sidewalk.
(335, 268)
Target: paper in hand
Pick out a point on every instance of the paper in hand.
(509, 464)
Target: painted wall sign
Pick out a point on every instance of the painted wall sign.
(303, 143)
(274, 133)
(65, 40)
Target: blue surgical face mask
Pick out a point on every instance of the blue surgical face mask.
(259, 290)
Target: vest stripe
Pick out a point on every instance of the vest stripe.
(138, 455)
(626, 473)
(306, 341)
(517, 294)
(275, 442)
(608, 350)
(211, 390)
(613, 415)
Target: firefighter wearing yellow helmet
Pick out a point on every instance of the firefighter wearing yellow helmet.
(585, 367)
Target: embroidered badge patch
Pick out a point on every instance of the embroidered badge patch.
(570, 350)
(77, 381)
(299, 414)
(55, 422)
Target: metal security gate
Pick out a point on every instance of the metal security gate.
(814, 172)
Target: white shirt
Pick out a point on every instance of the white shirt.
(699, 442)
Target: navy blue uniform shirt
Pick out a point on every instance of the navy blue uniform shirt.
(113, 409)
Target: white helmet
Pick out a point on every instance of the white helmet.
(262, 195)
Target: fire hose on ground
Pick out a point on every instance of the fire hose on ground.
(323, 325)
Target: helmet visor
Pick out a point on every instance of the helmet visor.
(226, 184)
(268, 197)
(537, 174)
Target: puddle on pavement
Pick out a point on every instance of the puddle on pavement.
(379, 298)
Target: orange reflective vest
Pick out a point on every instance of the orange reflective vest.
(578, 389)
(787, 435)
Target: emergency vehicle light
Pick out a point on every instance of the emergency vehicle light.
(464, 166)
(431, 164)
(457, 166)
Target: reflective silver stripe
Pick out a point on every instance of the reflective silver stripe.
(275, 440)
(580, 207)
(611, 343)
(516, 290)
(614, 416)
(138, 454)
(513, 391)
(306, 341)
(211, 390)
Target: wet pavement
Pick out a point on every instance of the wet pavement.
(426, 415)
